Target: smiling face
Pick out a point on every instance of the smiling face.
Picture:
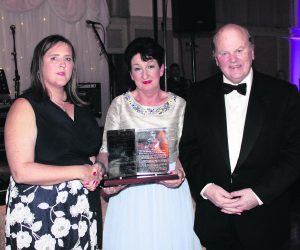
(146, 75)
(57, 66)
(233, 52)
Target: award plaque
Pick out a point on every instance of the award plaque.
(137, 156)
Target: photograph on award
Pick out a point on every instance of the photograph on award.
(137, 156)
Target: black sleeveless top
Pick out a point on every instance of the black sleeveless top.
(67, 212)
(62, 141)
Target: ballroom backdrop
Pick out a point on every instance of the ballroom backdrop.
(35, 19)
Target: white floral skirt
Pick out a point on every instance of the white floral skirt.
(49, 217)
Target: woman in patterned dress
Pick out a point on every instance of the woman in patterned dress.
(51, 137)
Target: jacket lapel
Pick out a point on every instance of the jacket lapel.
(254, 118)
(218, 120)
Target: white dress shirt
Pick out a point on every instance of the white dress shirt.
(236, 109)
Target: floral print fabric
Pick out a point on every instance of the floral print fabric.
(37, 223)
(62, 216)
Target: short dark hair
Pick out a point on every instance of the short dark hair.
(147, 47)
(37, 85)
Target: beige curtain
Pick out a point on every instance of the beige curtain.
(35, 19)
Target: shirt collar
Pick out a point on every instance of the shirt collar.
(248, 80)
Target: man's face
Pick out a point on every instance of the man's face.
(233, 53)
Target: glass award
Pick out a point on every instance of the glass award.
(137, 156)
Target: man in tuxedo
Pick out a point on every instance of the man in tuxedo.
(240, 148)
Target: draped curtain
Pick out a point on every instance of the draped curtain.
(35, 19)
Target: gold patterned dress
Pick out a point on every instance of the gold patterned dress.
(149, 216)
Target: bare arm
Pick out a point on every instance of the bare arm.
(102, 157)
(20, 137)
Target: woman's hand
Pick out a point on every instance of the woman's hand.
(94, 175)
(113, 190)
(181, 174)
(177, 182)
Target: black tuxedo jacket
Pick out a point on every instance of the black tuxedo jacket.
(269, 160)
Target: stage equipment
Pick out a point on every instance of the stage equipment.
(155, 20)
(191, 17)
(4, 90)
(164, 28)
(14, 54)
(103, 51)
(91, 93)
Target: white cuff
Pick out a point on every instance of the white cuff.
(257, 198)
(203, 190)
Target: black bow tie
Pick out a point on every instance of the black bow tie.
(241, 88)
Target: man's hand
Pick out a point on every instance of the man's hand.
(244, 200)
(220, 197)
